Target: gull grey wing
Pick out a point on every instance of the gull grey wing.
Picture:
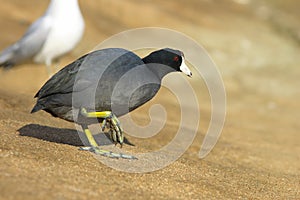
(29, 45)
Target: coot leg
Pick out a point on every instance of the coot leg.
(111, 121)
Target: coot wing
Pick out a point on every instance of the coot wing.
(91, 66)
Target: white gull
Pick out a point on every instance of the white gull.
(52, 35)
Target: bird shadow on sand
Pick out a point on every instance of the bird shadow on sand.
(63, 135)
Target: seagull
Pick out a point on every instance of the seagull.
(52, 35)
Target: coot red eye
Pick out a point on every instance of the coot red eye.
(176, 58)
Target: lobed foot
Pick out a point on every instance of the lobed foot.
(116, 132)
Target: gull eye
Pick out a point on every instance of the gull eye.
(176, 58)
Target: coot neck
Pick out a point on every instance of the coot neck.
(157, 67)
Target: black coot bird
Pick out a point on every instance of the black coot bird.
(106, 84)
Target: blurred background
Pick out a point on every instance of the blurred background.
(256, 46)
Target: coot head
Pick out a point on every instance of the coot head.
(169, 57)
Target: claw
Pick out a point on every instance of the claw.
(103, 124)
(113, 136)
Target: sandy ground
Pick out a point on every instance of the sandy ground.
(256, 46)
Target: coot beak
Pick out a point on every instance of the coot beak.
(184, 68)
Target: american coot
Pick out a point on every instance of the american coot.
(52, 35)
(106, 84)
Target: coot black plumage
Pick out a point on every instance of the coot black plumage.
(104, 85)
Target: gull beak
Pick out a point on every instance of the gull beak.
(184, 68)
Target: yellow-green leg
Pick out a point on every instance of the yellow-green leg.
(113, 123)
(110, 121)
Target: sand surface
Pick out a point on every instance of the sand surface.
(256, 45)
